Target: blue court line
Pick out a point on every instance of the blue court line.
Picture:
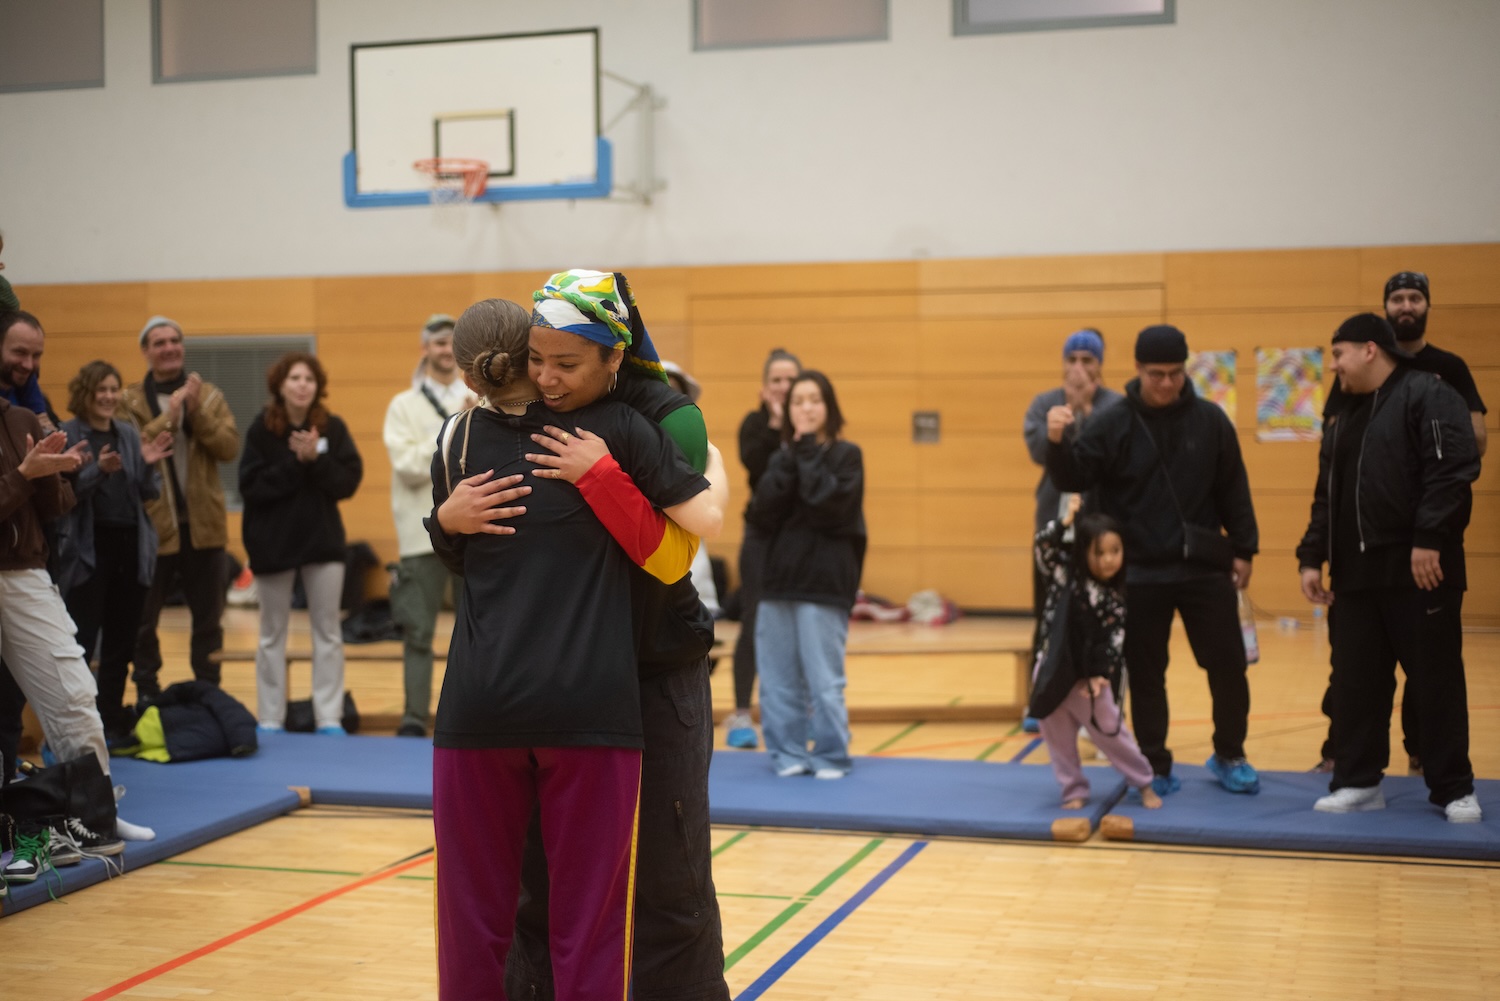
(1021, 754)
(802, 948)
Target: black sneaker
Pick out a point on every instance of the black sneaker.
(32, 855)
(411, 730)
(60, 844)
(90, 843)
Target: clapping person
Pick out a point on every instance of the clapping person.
(299, 462)
(107, 551)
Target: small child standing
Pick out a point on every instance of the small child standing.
(1081, 654)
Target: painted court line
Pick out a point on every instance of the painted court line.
(259, 926)
(802, 948)
(1031, 745)
(882, 746)
(729, 844)
(792, 909)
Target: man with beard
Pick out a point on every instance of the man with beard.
(1406, 305)
(1166, 464)
(412, 422)
(191, 524)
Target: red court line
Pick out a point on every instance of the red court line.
(259, 926)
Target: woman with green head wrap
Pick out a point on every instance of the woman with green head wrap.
(679, 948)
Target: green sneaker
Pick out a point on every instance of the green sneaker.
(32, 856)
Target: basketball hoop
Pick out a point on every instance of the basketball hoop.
(454, 180)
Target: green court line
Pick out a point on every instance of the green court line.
(260, 868)
(984, 755)
(791, 911)
(899, 736)
(726, 845)
(956, 700)
(753, 896)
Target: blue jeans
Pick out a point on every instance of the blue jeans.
(799, 654)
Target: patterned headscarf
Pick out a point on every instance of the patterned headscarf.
(597, 305)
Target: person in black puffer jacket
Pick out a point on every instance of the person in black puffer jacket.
(811, 502)
(192, 720)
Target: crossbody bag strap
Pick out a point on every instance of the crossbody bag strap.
(1161, 464)
(432, 399)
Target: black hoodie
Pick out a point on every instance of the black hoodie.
(1119, 455)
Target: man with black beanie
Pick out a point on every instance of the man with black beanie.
(1407, 299)
(1388, 516)
(1166, 465)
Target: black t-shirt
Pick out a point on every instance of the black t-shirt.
(1444, 364)
(544, 650)
(115, 501)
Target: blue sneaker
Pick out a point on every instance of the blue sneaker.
(739, 733)
(332, 730)
(1234, 774)
(1165, 785)
(48, 758)
(1030, 724)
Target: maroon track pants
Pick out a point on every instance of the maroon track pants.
(482, 802)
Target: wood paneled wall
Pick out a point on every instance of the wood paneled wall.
(974, 340)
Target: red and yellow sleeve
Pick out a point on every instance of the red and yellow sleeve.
(653, 541)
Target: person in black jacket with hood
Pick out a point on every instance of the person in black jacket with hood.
(1388, 516)
(1166, 465)
(811, 503)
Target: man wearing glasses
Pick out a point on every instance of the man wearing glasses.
(1166, 465)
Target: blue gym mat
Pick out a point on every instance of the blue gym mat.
(1281, 816)
(193, 803)
(909, 796)
(187, 806)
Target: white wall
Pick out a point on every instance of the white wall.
(1247, 124)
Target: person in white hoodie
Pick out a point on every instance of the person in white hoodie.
(412, 422)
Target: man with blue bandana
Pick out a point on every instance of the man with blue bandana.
(1082, 392)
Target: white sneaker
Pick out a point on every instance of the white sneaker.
(791, 770)
(1351, 799)
(1464, 810)
(829, 773)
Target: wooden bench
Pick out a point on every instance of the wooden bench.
(383, 652)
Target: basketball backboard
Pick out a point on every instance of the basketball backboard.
(526, 104)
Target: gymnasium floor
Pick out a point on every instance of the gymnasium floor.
(334, 903)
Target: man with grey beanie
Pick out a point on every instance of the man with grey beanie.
(1166, 465)
(189, 515)
(412, 422)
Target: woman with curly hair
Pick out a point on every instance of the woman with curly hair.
(299, 462)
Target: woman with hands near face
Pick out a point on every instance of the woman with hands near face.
(810, 504)
(299, 462)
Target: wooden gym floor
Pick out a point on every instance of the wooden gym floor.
(335, 903)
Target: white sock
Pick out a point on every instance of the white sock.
(133, 832)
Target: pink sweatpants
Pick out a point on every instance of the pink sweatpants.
(1060, 731)
(482, 802)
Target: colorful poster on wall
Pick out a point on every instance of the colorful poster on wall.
(1288, 394)
(1212, 373)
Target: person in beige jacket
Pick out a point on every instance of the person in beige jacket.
(189, 515)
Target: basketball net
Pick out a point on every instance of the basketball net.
(454, 180)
